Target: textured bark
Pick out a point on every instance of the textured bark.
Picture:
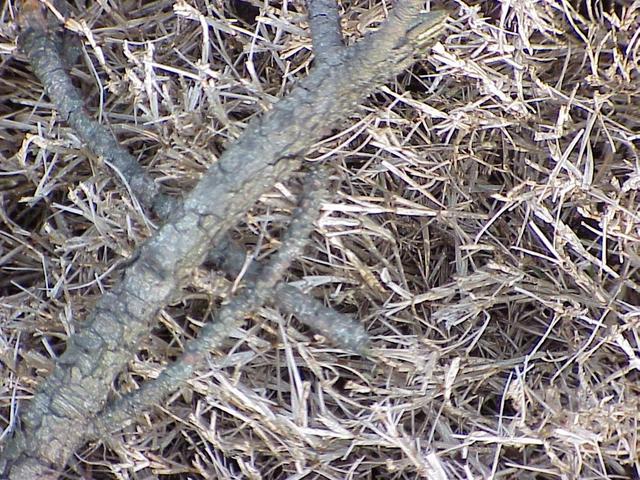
(215, 332)
(47, 52)
(54, 422)
(324, 21)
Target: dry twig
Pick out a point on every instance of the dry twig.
(485, 229)
(324, 20)
(45, 52)
(116, 415)
(265, 154)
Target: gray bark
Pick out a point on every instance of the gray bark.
(54, 422)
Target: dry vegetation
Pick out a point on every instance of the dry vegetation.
(484, 227)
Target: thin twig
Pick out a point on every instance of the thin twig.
(326, 32)
(215, 332)
(44, 54)
(343, 330)
(266, 153)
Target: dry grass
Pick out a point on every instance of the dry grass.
(485, 229)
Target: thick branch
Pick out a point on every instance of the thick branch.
(266, 153)
(48, 66)
(214, 333)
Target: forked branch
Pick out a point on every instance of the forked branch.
(54, 422)
(214, 333)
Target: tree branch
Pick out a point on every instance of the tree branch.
(215, 332)
(267, 152)
(43, 51)
(326, 32)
